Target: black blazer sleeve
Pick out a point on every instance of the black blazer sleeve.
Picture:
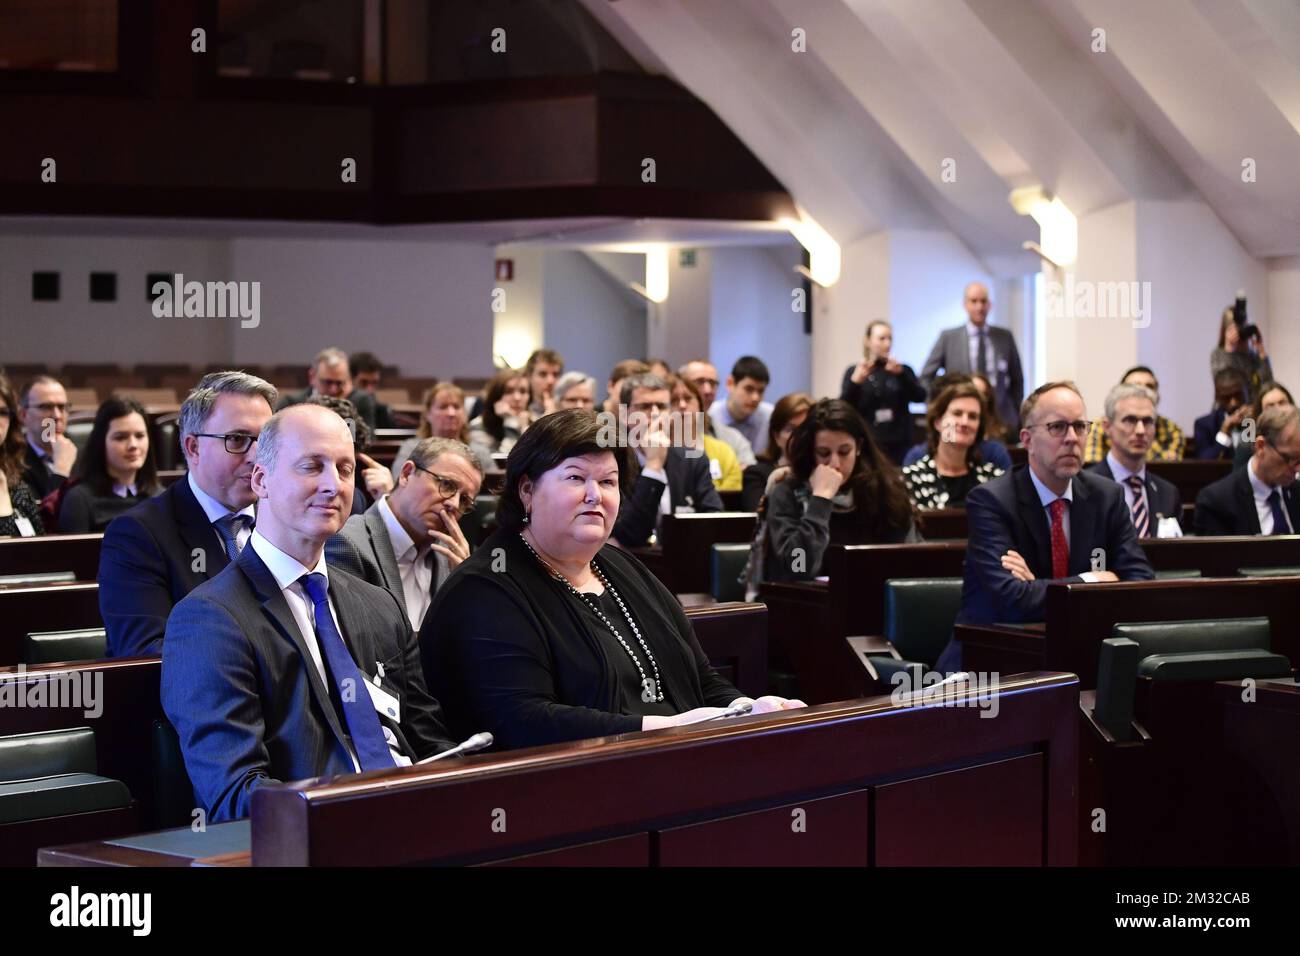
(135, 594)
(1214, 513)
(796, 535)
(716, 689)
(487, 656)
(638, 511)
(703, 492)
(74, 511)
(912, 388)
(754, 484)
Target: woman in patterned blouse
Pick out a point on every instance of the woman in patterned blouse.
(952, 467)
(19, 507)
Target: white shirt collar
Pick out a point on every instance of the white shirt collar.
(1045, 495)
(1261, 490)
(123, 491)
(213, 508)
(973, 330)
(1120, 472)
(397, 536)
(285, 569)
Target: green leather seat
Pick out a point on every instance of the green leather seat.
(53, 647)
(52, 773)
(32, 578)
(1228, 649)
(1269, 572)
(727, 564)
(173, 795)
(1178, 574)
(919, 616)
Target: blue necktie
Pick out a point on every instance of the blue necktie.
(358, 710)
(228, 528)
(1279, 516)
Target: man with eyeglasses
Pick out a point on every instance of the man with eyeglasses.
(1044, 522)
(330, 375)
(43, 411)
(1260, 498)
(1168, 443)
(1131, 426)
(160, 550)
(409, 541)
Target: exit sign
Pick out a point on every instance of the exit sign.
(686, 258)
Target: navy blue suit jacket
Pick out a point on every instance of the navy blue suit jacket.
(1227, 506)
(1006, 515)
(247, 700)
(1163, 497)
(148, 562)
(1206, 427)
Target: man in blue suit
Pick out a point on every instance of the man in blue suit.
(1218, 433)
(1044, 522)
(279, 669)
(166, 546)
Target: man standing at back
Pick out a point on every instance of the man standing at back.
(164, 547)
(979, 347)
(1045, 522)
(278, 669)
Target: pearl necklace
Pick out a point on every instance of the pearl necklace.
(651, 688)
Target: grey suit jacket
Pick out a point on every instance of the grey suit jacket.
(364, 548)
(952, 354)
(247, 700)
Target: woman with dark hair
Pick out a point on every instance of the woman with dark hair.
(546, 633)
(1270, 394)
(951, 467)
(505, 415)
(771, 466)
(115, 471)
(1247, 355)
(841, 490)
(444, 417)
(19, 506)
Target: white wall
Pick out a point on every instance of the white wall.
(520, 328)
(76, 330)
(1282, 336)
(589, 319)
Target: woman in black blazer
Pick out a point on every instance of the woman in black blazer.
(114, 472)
(547, 633)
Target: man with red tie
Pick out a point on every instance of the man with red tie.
(1044, 522)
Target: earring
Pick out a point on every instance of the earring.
(528, 516)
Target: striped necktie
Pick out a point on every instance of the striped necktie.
(1141, 519)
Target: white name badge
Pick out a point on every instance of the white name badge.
(1168, 528)
(384, 702)
(884, 415)
(25, 529)
(715, 469)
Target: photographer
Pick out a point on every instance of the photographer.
(1241, 347)
(880, 388)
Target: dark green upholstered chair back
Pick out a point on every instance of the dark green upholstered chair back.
(919, 615)
(482, 521)
(727, 565)
(1269, 572)
(1226, 649)
(173, 795)
(54, 647)
(31, 578)
(52, 773)
(46, 753)
(1178, 574)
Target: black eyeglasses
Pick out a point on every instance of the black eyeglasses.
(1057, 429)
(237, 443)
(448, 487)
(1293, 462)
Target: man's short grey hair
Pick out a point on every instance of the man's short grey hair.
(1121, 392)
(644, 380)
(1274, 422)
(572, 380)
(199, 403)
(268, 439)
(429, 450)
(330, 356)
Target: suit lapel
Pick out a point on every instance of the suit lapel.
(195, 529)
(1034, 517)
(1083, 518)
(1245, 496)
(355, 632)
(383, 545)
(963, 351)
(276, 609)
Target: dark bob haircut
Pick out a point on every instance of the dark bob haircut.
(547, 442)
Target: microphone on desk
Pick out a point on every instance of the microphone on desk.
(738, 710)
(479, 741)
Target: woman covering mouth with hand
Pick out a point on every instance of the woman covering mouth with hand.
(547, 633)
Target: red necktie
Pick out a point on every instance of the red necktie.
(1060, 547)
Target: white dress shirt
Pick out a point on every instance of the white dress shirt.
(1046, 496)
(1261, 492)
(1122, 476)
(414, 564)
(288, 572)
(124, 491)
(215, 511)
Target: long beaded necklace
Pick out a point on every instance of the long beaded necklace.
(651, 688)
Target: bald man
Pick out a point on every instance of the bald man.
(978, 347)
(280, 669)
